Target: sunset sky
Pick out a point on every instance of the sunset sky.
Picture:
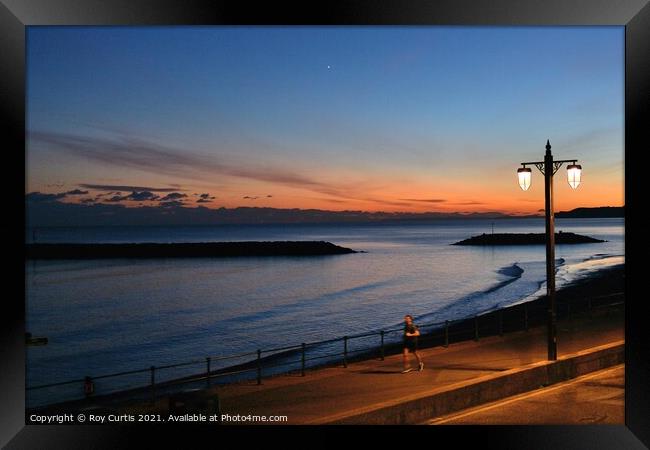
(406, 119)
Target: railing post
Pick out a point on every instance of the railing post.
(302, 360)
(217, 408)
(89, 386)
(259, 366)
(381, 333)
(207, 371)
(153, 383)
(345, 351)
(500, 322)
(526, 316)
(476, 328)
(446, 333)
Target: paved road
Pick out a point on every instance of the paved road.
(597, 398)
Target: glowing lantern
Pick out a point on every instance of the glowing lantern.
(574, 172)
(524, 175)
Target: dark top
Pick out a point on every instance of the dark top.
(410, 329)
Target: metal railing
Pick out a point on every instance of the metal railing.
(495, 322)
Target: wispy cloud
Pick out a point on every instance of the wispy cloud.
(37, 197)
(205, 198)
(173, 196)
(76, 192)
(128, 152)
(137, 154)
(425, 200)
(141, 196)
(41, 197)
(134, 196)
(114, 199)
(117, 187)
(172, 204)
(329, 200)
(593, 138)
(175, 212)
(470, 202)
(387, 202)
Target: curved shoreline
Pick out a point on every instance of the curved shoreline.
(606, 282)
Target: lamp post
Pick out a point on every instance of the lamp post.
(548, 167)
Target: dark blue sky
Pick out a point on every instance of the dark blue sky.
(329, 117)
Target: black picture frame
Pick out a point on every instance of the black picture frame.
(15, 15)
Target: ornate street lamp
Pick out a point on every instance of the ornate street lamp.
(548, 167)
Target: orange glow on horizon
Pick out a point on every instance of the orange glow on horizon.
(517, 203)
(477, 189)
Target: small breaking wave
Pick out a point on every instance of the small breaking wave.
(511, 271)
(587, 268)
(567, 274)
(477, 302)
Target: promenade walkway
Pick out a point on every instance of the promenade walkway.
(327, 394)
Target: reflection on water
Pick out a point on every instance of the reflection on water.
(112, 315)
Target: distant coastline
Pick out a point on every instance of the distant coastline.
(51, 213)
(43, 211)
(184, 250)
(600, 212)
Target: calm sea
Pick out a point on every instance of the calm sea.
(105, 316)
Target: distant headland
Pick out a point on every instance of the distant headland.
(184, 250)
(526, 239)
(592, 213)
